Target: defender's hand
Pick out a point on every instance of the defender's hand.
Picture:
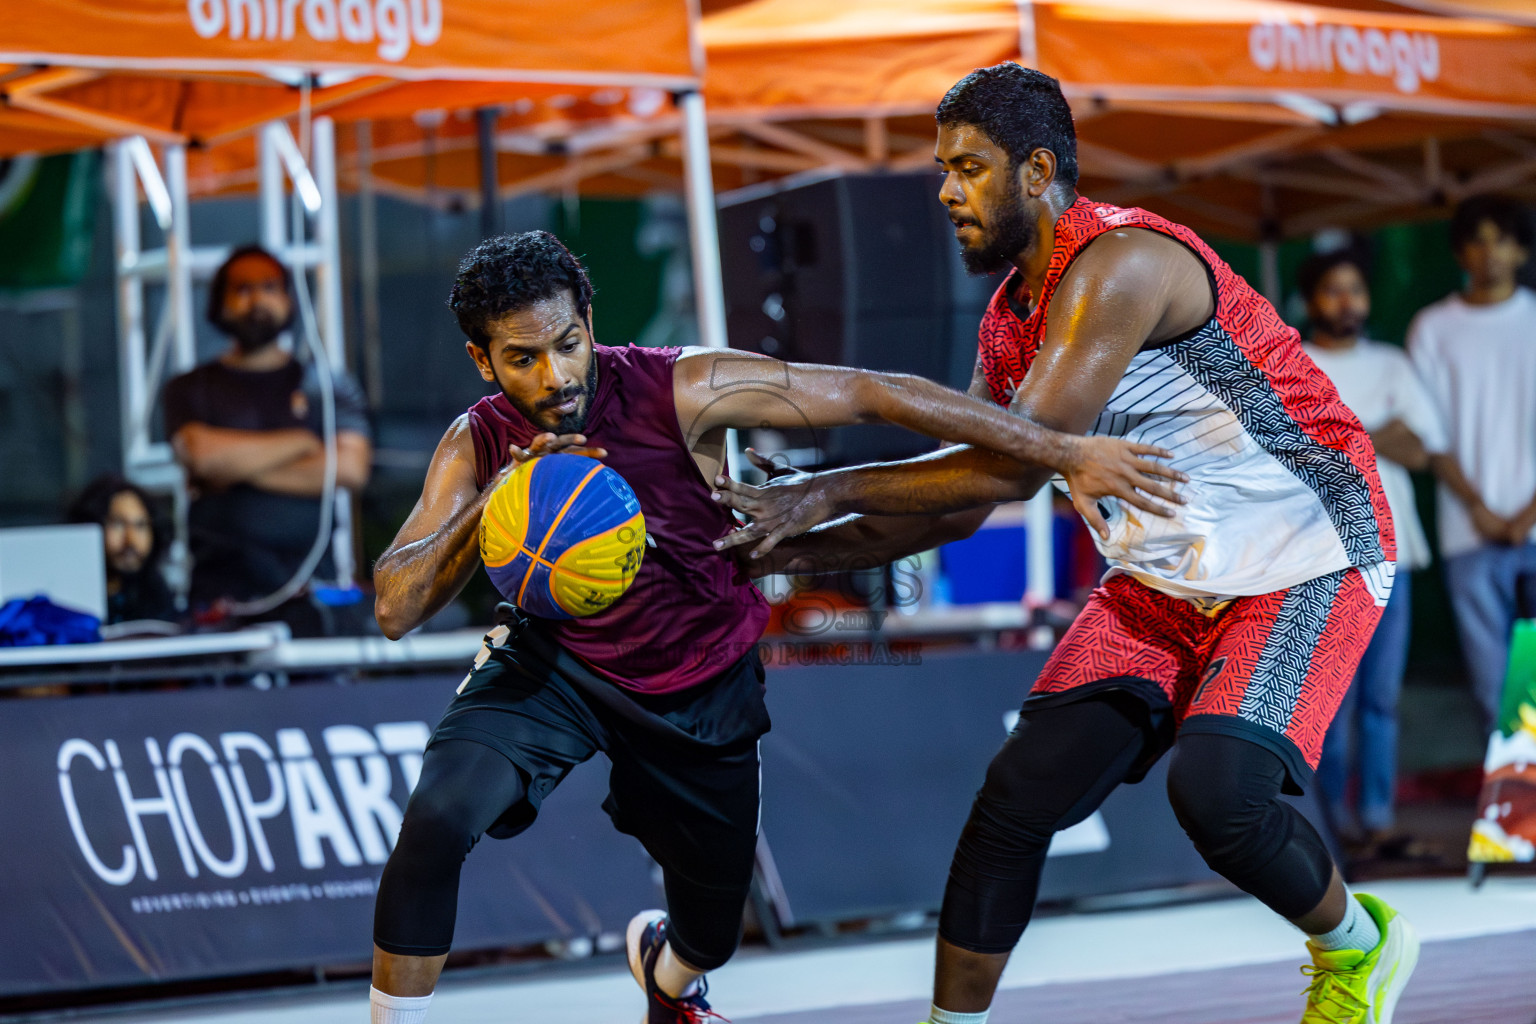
(1107, 467)
(786, 506)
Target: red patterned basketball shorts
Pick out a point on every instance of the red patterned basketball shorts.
(1272, 668)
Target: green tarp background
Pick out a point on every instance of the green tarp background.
(1411, 267)
(47, 224)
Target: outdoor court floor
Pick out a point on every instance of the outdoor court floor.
(1225, 962)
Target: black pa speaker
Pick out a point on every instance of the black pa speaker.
(853, 271)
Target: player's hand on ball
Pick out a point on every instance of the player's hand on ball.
(786, 506)
(549, 444)
(1107, 467)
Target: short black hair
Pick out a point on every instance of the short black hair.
(221, 279)
(1509, 216)
(508, 273)
(1317, 266)
(1019, 109)
(96, 500)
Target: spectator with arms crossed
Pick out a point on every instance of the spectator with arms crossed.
(247, 428)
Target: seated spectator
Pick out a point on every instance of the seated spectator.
(135, 542)
(247, 427)
(1476, 352)
(1380, 386)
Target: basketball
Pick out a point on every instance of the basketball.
(562, 536)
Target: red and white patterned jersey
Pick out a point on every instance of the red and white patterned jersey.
(1283, 485)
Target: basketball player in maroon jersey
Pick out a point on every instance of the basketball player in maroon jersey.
(666, 680)
(1235, 624)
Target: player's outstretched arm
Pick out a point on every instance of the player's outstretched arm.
(717, 389)
(859, 542)
(953, 480)
(1126, 289)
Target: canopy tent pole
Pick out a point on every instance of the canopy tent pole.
(1029, 55)
(704, 243)
(1040, 561)
(1039, 515)
(368, 267)
(490, 200)
(178, 254)
(703, 232)
(152, 465)
(130, 300)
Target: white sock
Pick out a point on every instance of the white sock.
(388, 1009)
(1358, 930)
(938, 1016)
(673, 976)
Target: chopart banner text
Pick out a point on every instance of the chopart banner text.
(221, 804)
(393, 24)
(1408, 58)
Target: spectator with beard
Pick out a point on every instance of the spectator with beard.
(134, 539)
(1380, 386)
(247, 428)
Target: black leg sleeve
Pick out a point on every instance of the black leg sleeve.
(464, 788)
(1054, 771)
(1226, 793)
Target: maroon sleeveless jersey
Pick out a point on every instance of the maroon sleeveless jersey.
(690, 613)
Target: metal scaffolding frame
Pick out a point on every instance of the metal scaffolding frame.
(301, 228)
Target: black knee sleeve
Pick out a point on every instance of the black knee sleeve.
(704, 920)
(464, 787)
(1052, 773)
(1225, 791)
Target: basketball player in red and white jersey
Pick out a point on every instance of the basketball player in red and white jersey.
(1233, 626)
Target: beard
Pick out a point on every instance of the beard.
(570, 423)
(127, 563)
(255, 330)
(1010, 233)
(1347, 325)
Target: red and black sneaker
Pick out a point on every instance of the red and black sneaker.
(646, 935)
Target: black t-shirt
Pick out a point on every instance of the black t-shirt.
(246, 542)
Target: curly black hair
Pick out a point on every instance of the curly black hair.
(1508, 215)
(1317, 266)
(95, 501)
(1019, 109)
(220, 280)
(508, 273)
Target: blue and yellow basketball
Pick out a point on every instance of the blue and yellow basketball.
(562, 536)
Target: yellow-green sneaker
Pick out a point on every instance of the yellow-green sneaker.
(1351, 987)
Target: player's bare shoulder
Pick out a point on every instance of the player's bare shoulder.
(1150, 268)
(458, 439)
(453, 462)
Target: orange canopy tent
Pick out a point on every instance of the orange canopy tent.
(202, 71)
(1243, 117)
(1246, 115)
(206, 74)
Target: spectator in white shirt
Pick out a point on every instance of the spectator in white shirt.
(1379, 385)
(1476, 352)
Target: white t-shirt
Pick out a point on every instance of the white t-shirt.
(1479, 364)
(1379, 385)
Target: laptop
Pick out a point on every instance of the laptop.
(65, 564)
